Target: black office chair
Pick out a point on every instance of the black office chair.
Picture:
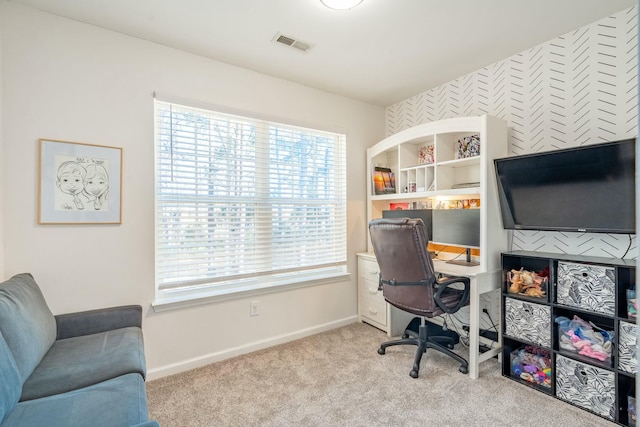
(409, 282)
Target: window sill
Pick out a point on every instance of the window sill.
(177, 299)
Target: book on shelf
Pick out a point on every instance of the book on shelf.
(384, 181)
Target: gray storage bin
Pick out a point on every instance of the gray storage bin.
(586, 286)
(528, 321)
(586, 386)
(627, 360)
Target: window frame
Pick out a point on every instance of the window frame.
(214, 291)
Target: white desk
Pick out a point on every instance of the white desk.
(481, 282)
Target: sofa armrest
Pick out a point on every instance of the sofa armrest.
(148, 424)
(96, 321)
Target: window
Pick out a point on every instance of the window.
(244, 204)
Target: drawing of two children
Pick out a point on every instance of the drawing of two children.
(87, 187)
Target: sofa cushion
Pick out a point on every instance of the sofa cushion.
(11, 384)
(27, 324)
(85, 360)
(121, 401)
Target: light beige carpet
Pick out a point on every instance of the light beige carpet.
(337, 378)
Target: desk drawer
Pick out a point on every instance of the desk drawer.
(369, 288)
(374, 308)
(368, 269)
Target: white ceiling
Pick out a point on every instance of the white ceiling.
(381, 52)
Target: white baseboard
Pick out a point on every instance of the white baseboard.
(198, 362)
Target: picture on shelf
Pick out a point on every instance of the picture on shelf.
(425, 155)
(458, 204)
(469, 146)
(384, 181)
(398, 206)
(427, 204)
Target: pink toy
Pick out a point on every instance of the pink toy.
(589, 352)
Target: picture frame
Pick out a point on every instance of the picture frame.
(426, 154)
(468, 146)
(384, 181)
(79, 183)
(402, 206)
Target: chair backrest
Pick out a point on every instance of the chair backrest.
(400, 246)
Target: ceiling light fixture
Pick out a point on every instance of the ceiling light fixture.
(341, 4)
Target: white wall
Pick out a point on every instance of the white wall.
(69, 81)
(578, 89)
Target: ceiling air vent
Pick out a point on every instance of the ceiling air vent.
(291, 42)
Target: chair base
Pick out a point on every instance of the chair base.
(442, 344)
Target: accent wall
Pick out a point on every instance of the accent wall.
(578, 89)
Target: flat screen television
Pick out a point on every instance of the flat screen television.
(584, 189)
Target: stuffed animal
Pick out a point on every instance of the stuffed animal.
(527, 283)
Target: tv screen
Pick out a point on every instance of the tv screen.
(458, 227)
(586, 189)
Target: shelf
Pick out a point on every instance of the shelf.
(460, 163)
(437, 181)
(615, 374)
(458, 193)
(424, 166)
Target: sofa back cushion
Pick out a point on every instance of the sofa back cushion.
(11, 384)
(27, 324)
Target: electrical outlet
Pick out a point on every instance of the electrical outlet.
(485, 306)
(253, 308)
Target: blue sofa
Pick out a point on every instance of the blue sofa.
(79, 369)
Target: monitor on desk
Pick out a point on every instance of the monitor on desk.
(423, 214)
(457, 227)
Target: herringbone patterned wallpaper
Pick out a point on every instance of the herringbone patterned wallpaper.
(578, 89)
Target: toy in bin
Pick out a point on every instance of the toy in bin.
(528, 283)
(632, 304)
(577, 335)
(532, 364)
(631, 410)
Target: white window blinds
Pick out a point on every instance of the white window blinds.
(241, 201)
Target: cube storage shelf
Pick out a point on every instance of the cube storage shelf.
(540, 351)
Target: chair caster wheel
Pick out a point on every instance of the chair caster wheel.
(405, 336)
(450, 346)
(413, 374)
(381, 350)
(463, 369)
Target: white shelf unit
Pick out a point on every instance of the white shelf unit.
(446, 178)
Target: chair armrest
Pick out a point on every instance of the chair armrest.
(96, 321)
(444, 284)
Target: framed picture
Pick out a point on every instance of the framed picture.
(79, 183)
(398, 206)
(469, 146)
(384, 181)
(425, 155)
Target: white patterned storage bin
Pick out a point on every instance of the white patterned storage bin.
(591, 287)
(586, 386)
(627, 360)
(528, 321)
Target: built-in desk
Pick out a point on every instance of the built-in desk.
(393, 321)
(481, 282)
